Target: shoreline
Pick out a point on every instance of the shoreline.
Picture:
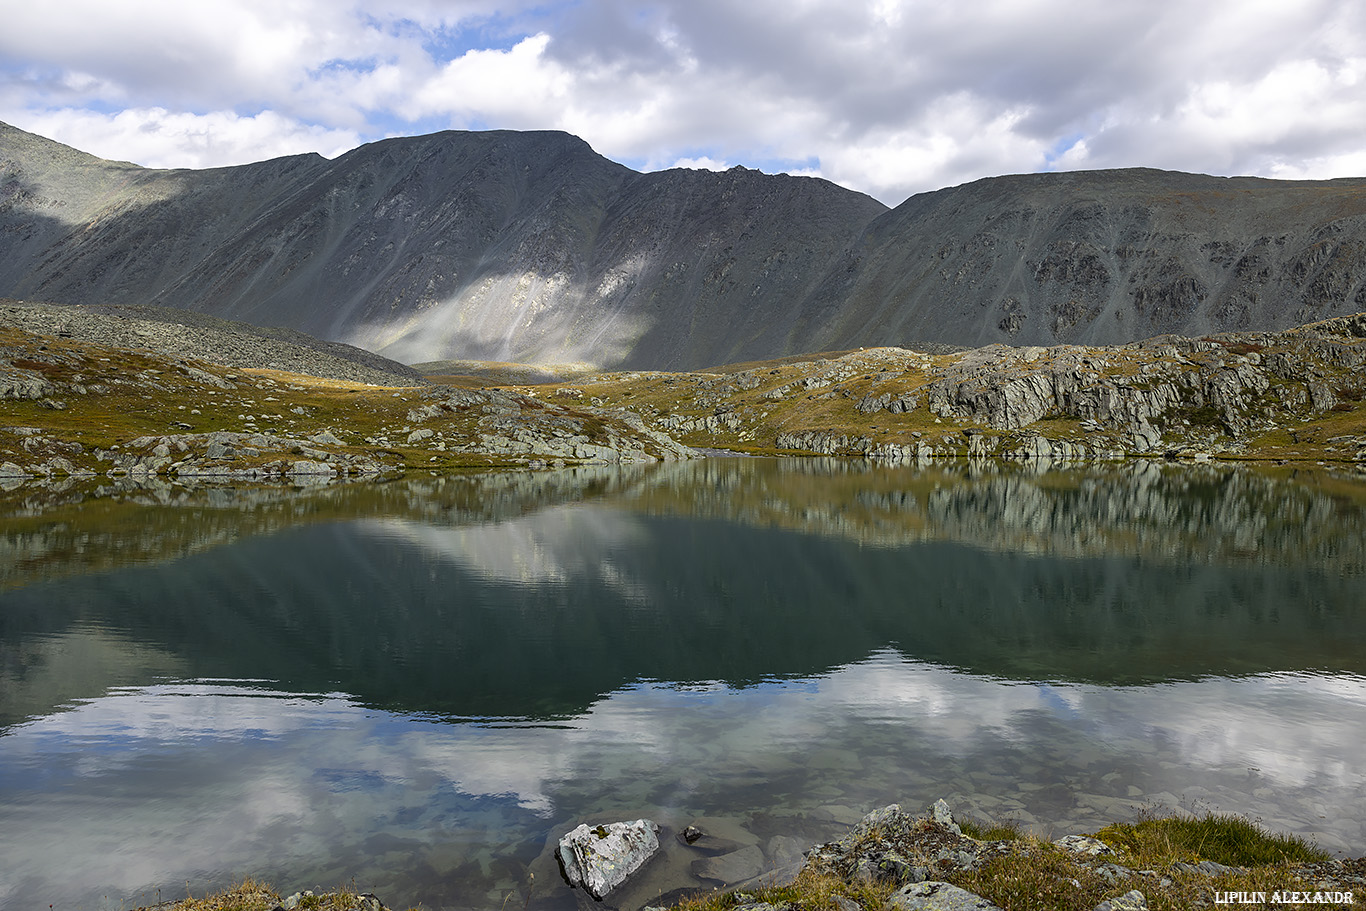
(899, 860)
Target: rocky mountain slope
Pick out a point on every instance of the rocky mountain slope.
(1100, 257)
(496, 246)
(531, 247)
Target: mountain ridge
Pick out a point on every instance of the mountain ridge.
(530, 246)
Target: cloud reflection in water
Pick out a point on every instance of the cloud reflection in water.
(239, 778)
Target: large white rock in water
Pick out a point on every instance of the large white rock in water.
(599, 858)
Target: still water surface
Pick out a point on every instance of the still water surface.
(419, 686)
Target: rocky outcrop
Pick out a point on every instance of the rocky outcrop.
(220, 454)
(519, 425)
(936, 896)
(1143, 389)
(893, 844)
(1167, 396)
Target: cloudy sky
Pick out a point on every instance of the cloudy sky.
(891, 97)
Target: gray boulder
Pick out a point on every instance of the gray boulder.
(1084, 845)
(306, 467)
(937, 896)
(600, 858)
(1133, 900)
(942, 815)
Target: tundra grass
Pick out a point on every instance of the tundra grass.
(1029, 874)
(1222, 838)
(142, 394)
(250, 895)
(132, 394)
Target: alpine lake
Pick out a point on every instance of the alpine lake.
(416, 687)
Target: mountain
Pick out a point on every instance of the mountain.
(495, 245)
(532, 247)
(1098, 257)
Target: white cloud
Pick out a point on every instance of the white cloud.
(554, 546)
(887, 96)
(960, 140)
(704, 163)
(194, 777)
(157, 138)
(518, 86)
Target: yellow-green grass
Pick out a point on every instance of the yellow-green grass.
(132, 394)
(1225, 839)
(829, 408)
(131, 407)
(250, 895)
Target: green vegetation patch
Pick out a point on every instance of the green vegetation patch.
(246, 896)
(1035, 876)
(250, 895)
(1008, 830)
(1225, 839)
(812, 890)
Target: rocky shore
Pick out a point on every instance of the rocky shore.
(1168, 396)
(895, 859)
(922, 856)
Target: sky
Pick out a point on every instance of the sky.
(888, 97)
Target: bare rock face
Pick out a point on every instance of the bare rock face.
(600, 858)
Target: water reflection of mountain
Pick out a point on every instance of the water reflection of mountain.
(49, 532)
(1182, 513)
(532, 595)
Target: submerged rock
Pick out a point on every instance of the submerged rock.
(737, 866)
(600, 858)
